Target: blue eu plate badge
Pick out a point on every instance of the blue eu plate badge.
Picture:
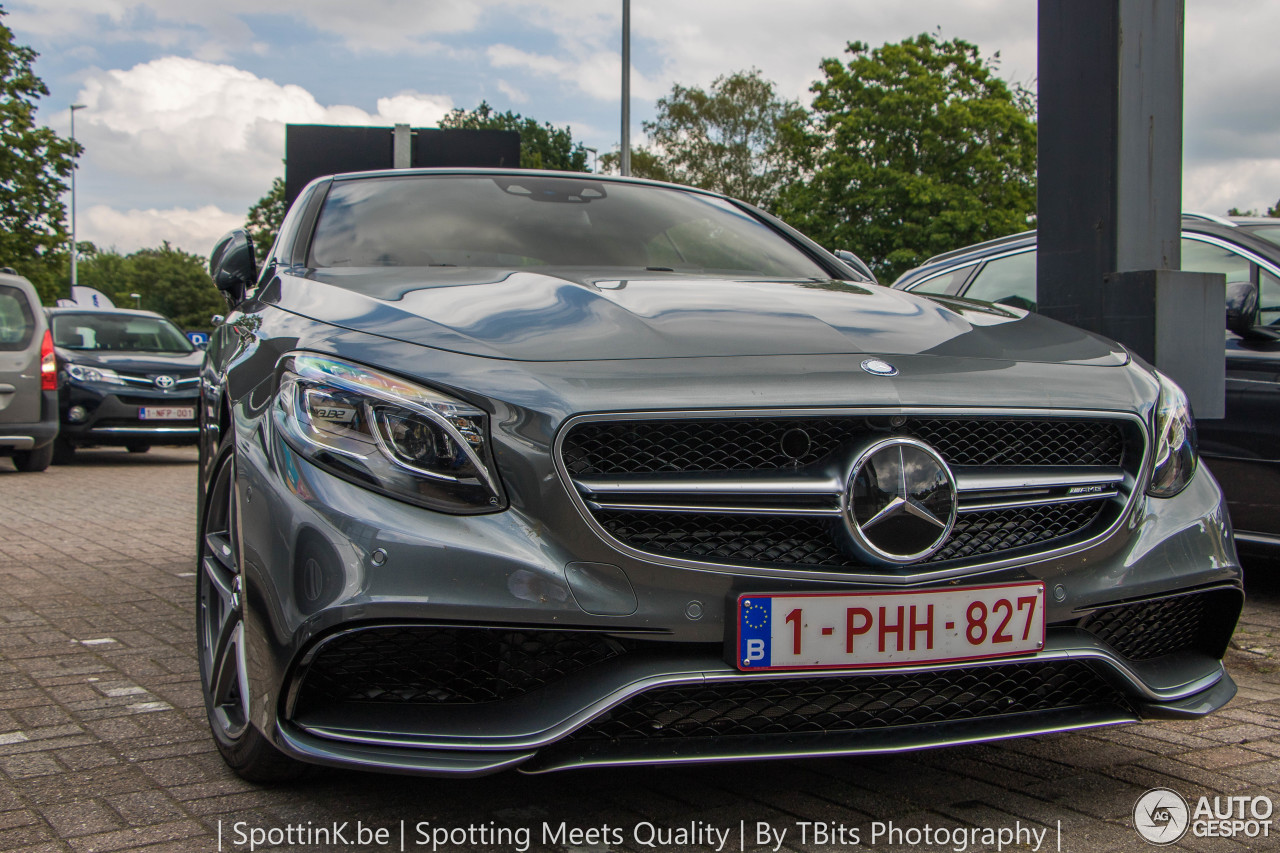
(753, 632)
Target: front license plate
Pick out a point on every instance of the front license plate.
(167, 413)
(865, 629)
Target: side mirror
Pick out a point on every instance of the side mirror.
(1242, 307)
(1242, 313)
(232, 265)
(857, 263)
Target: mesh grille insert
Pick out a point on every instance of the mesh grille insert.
(444, 665)
(762, 444)
(822, 705)
(798, 540)
(1150, 629)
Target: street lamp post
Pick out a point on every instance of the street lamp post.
(626, 88)
(74, 107)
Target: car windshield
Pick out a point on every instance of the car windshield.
(520, 221)
(118, 333)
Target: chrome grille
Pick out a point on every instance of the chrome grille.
(769, 491)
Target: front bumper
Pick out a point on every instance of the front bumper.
(311, 575)
(113, 415)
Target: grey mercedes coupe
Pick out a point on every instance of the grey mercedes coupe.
(533, 470)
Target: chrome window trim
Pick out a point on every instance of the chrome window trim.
(876, 579)
(1233, 248)
(949, 271)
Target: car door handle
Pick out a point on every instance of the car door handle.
(6, 388)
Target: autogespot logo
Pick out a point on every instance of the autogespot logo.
(1161, 816)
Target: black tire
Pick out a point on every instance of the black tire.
(64, 452)
(33, 460)
(220, 636)
(137, 446)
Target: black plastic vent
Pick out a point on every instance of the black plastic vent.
(828, 705)
(1150, 629)
(447, 665)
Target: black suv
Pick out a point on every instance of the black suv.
(1241, 447)
(128, 378)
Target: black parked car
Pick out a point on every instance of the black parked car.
(1241, 448)
(508, 469)
(127, 378)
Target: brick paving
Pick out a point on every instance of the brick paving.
(104, 746)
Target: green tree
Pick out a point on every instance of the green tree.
(913, 149)
(34, 161)
(644, 164)
(265, 217)
(726, 139)
(168, 280)
(542, 146)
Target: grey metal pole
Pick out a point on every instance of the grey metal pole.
(626, 87)
(74, 107)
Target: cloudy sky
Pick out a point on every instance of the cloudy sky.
(186, 100)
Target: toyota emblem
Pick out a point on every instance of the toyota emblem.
(165, 382)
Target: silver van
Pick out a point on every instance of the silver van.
(28, 376)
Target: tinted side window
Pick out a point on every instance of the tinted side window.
(946, 284)
(1268, 298)
(1206, 257)
(17, 323)
(1009, 280)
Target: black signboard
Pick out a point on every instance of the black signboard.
(314, 150)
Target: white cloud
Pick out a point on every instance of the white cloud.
(193, 231)
(212, 131)
(516, 96)
(596, 74)
(219, 30)
(1216, 187)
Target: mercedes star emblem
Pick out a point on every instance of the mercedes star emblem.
(876, 367)
(900, 503)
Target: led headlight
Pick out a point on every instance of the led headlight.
(1176, 449)
(85, 373)
(384, 433)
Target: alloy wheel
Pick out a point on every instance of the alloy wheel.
(220, 615)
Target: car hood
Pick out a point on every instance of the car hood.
(136, 362)
(529, 316)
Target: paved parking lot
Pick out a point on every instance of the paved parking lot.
(103, 743)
